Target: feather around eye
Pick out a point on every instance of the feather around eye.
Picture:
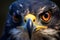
(46, 16)
(16, 17)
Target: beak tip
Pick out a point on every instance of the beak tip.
(29, 27)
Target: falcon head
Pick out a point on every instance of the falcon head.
(39, 18)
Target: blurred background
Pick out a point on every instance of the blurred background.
(4, 5)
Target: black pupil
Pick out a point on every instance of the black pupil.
(46, 15)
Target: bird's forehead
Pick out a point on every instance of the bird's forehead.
(42, 9)
(35, 5)
(39, 7)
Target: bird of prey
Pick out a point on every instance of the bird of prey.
(32, 20)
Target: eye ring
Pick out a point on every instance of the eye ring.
(46, 16)
(15, 18)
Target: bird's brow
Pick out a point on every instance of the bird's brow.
(43, 10)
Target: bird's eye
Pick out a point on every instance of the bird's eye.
(46, 16)
(15, 18)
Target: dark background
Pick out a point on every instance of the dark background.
(4, 5)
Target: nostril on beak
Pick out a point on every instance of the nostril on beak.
(34, 20)
(29, 27)
(24, 20)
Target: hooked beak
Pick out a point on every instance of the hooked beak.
(30, 24)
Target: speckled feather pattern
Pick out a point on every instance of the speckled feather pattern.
(14, 30)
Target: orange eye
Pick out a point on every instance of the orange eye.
(15, 18)
(46, 16)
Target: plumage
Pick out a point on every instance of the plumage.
(32, 20)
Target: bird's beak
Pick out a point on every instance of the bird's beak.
(30, 21)
(29, 27)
